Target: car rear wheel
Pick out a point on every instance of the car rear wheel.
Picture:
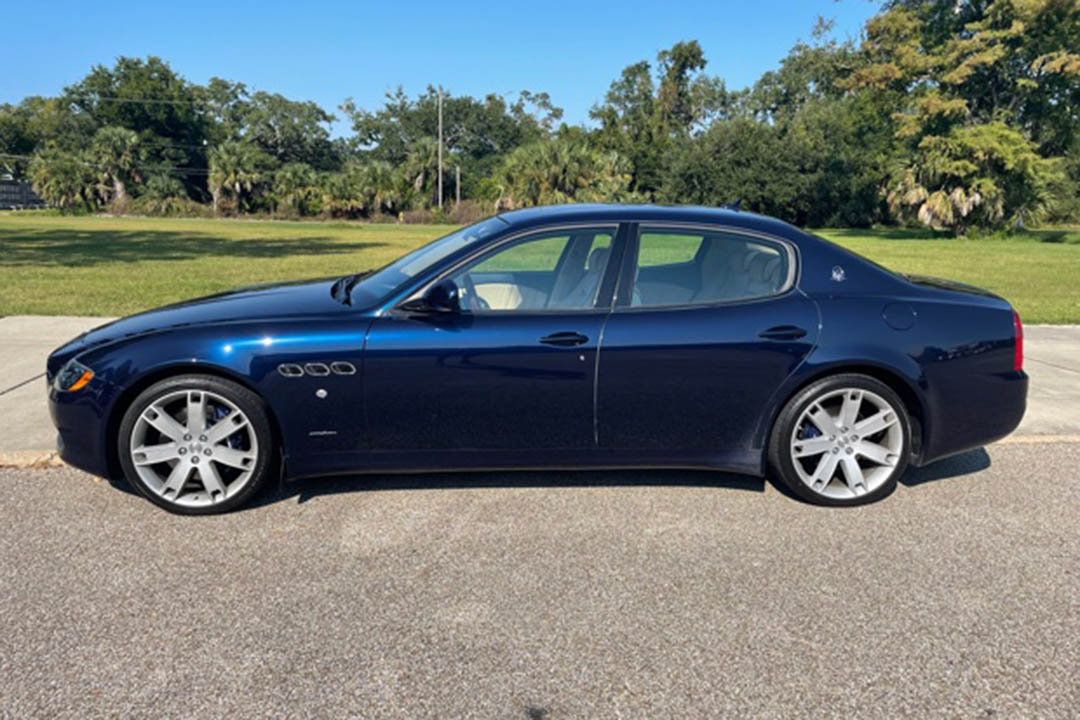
(843, 440)
(196, 444)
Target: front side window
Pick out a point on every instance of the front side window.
(686, 267)
(382, 282)
(555, 270)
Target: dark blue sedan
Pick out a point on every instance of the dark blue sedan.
(584, 336)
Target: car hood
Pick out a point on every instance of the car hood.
(269, 301)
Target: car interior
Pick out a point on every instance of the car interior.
(673, 268)
(722, 268)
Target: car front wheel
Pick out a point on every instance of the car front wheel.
(843, 440)
(196, 444)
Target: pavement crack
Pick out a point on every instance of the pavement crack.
(1055, 365)
(19, 385)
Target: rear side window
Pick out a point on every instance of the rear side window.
(659, 248)
(687, 267)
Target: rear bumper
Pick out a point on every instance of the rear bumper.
(991, 408)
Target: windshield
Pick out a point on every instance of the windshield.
(382, 282)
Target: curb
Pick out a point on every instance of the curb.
(37, 459)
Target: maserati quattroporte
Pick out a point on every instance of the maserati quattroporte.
(585, 336)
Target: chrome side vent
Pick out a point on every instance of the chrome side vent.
(343, 368)
(316, 369)
(290, 370)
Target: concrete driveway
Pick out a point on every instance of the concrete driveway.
(1052, 355)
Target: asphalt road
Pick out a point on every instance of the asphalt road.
(554, 595)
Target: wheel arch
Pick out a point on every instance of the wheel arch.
(132, 391)
(903, 386)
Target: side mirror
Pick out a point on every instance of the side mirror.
(441, 298)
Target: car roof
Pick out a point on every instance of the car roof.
(616, 212)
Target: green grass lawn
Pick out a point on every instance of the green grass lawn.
(53, 265)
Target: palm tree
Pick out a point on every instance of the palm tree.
(113, 153)
(558, 171)
(384, 189)
(237, 168)
(62, 179)
(294, 184)
(422, 164)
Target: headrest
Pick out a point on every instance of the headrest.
(598, 258)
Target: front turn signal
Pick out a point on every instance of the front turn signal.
(73, 376)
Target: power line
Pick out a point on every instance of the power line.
(144, 101)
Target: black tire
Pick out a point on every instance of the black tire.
(782, 464)
(248, 402)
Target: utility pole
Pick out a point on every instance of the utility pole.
(457, 193)
(440, 147)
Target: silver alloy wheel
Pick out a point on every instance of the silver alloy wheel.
(847, 443)
(194, 448)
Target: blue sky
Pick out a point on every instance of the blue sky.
(329, 51)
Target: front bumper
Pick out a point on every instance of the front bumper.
(81, 420)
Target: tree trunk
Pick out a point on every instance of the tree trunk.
(216, 195)
(119, 192)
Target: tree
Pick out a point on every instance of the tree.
(37, 123)
(288, 131)
(113, 153)
(150, 99)
(973, 105)
(975, 175)
(364, 189)
(559, 171)
(422, 166)
(62, 180)
(639, 119)
(236, 168)
(295, 186)
(477, 133)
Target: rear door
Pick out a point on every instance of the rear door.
(706, 327)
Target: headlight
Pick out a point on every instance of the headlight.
(73, 376)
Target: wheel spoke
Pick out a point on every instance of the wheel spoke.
(208, 474)
(196, 412)
(849, 411)
(824, 421)
(853, 475)
(242, 459)
(825, 469)
(225, 427)
(813, 446)
(153, 454)
(875, 453)
(876, 423)
(177, 478)
(164, 424)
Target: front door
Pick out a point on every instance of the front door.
(515, 369)
(707, 331)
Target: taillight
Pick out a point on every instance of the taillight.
(1018, 349)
